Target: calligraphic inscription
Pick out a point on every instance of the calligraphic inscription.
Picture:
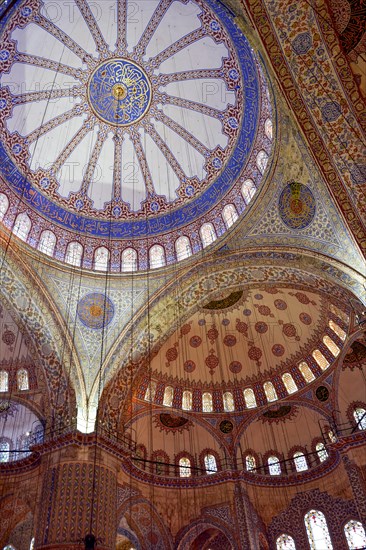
(119, 92)
(296, 206)
(95, 310)
(226, 426)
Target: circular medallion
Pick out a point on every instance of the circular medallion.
(226, 426)
(95, 310)
(322, 393)
(296, 206)
(119, 92)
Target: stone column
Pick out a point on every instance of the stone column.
(78, 497)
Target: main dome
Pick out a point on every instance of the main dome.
(128, 125)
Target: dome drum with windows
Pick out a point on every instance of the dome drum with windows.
(135, 137)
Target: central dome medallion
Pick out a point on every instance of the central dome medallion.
(119, 92)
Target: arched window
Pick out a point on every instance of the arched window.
(184, 467)
(229, 215)
(228, 399)
(74, 253)
(332, 346)
(317, 531)
(250, 463)
(285, 542)
(289, 382)
(274, 466)
(262, 159)
(183, 248)
(101, 259)
(268, 128)
(4, 450)
(331, 436)
(4, 380)
(339, 313)
(306, 372)
(4, 205)
(208, 234)
(210, 464)
(249, 398)
(300, 461)
(157, 256)
(47, 243)
(129, 260)
(270, 392)
(22, 226)
(9, 547)
(359, 414)
(168, 396)
(321, 451)
(207, 402)
(31, 546)
(150, 391)
(355, 535)
(22, 380)
(187, 400)
(337, 329)
(248, 190)
(320, 359)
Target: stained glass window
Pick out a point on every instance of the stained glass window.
(168, 396)
(4, 205)
(289, 382)
(285, 542)
(306, 372)
(249, 398)
(101, 259)
(31, 546)
(210, 464)
(359, 415)
(250, 463)
(355, 535)
(339, 313)
(320, 359)
(22, 380)
(4, 451)
(321, 451)
(270, 391)
(22, 226)
(187, 400)
(184, 467)
(4, 380)
(9, 547)
(337, 329)
(274, 466)
(228, 399)
(268, 128)
(129, 260)
(317, 531)
(47, 243)
(331, 436)
(157, 256)
(262, 159)
(150, 391)
(208, 234)
(207, 402)
(229, 215)
(300, 461)
(332, 346)
(248, 190)
(74, 253)
(183, 248)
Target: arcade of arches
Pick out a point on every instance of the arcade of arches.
(182, 275)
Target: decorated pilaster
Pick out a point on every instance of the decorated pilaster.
(78, 498)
